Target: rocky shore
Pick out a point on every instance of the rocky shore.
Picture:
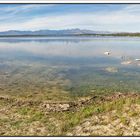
(113, 115)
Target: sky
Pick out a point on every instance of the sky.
(97, 17)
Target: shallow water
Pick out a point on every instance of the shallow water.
(75, 65)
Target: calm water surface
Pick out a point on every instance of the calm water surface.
(75, 64)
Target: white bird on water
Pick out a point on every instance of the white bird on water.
(107, 53)
(137, 59)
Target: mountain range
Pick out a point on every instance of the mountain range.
(51, 32)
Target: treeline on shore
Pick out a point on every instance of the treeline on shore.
(111, 34)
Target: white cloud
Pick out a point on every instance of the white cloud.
(24, 8)
(13, 12)
(112, 21)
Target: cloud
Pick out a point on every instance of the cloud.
(17, 11)
(24, 7)
(125, 19)
(132, 8)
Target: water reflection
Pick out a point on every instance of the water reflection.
(78, 64)
(72, 46)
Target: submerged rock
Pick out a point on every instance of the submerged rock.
(126, 62)
(111, 69)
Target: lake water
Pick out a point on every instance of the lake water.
(69, 65)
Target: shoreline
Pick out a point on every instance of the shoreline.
(79, 35)
(62, 106)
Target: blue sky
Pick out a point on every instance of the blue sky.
(98, 17)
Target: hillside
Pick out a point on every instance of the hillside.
(50, 32)
(65, 32)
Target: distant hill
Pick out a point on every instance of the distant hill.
(51, 32)
(66, 32)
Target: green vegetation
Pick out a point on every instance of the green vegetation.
(32, 120)
(109, 34)
(114, 34)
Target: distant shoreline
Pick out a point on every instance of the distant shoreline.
(76, 35)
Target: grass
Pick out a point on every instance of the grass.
(73, 119)
(30, 118)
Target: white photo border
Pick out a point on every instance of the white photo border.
(69, 2)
